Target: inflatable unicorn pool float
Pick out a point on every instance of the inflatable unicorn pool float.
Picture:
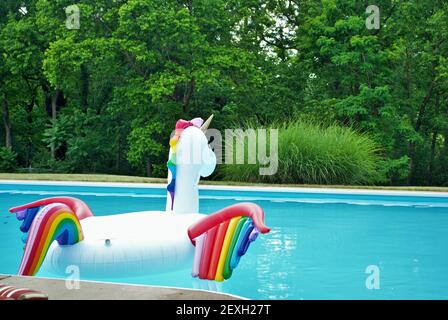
(62, 231)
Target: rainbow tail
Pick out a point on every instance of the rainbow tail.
(43, 225)
(223, 237)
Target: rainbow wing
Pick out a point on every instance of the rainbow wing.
(223, 237)
(43, 225)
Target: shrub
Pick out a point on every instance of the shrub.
(309, 153)
(8, 160)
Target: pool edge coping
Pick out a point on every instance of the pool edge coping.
(317, 190)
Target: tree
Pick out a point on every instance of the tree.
(106, 96)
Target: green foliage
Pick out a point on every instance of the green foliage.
(93, 145)
(396, 169)
(314, 154)
(142, 144)
(8, 160)
(57, 133)
(134, 67)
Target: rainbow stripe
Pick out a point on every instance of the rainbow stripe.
(223, 237)
(52, 222)
(219, 250)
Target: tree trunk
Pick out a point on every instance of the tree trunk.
(188, 94)
(411, 163)
(418, 123)
(7, 124)
(54, 105)
(444, 153)
(84, 88)
(190, 6)
(148, 168)
(118, 154)
(431, 158)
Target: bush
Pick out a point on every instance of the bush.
(314, 154)
(8, 160)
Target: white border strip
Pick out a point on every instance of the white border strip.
(236, 188)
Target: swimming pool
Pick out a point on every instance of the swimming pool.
(320, 245)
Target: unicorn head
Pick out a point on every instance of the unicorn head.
(190, 158)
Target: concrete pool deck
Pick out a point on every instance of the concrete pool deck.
(56, 289)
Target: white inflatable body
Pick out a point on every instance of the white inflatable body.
(130, 244)
(143, 242)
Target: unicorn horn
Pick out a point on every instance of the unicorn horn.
(205, 125)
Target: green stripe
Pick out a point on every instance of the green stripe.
(227, 273)
(73, 232)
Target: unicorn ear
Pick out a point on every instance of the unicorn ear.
(197, 122)
(206, 124)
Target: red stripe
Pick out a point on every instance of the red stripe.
(240, 209)
(217, 250)
(35, 244)
(80, 209)
(207, 253)
(50, 215)
(5, 293)
(2, 286)
(21, 292)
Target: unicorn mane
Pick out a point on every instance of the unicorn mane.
(181, 125)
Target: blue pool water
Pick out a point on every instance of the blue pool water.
(319, 247)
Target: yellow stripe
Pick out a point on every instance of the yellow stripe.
(41, 248)
(225, 248)
(50, 234)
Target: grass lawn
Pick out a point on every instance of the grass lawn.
(78, 177)
(133, 179)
